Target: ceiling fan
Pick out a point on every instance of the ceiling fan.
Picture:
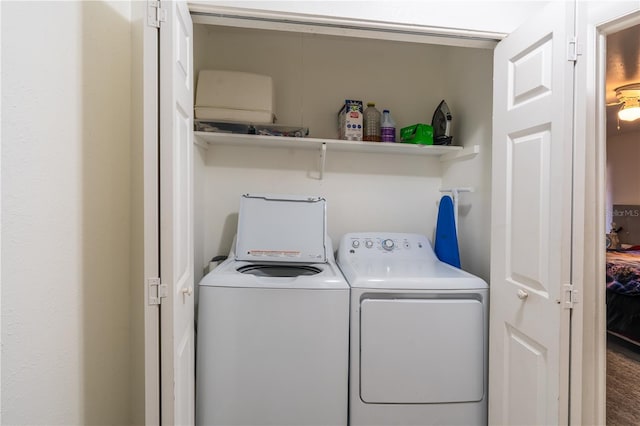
(629, 101)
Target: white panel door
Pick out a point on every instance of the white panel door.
(531, 221)
(176, 215)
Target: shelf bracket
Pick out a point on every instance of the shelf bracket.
(466, 153)
(323, 159)
(199, 142)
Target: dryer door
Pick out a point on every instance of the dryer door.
(421, 351)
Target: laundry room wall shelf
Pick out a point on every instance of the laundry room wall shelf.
(204, 139)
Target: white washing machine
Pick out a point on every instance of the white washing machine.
(418, 334)
(273, 322)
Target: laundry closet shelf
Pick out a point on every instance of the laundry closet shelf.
(212, 138)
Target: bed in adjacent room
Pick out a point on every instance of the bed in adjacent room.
(623, 293)
(623, 273)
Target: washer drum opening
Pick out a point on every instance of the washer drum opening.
(279, 271)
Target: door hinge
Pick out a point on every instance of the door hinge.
(569, 296)
(574, 49)
(156, 291)
(155, 14)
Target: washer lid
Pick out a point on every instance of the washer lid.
(281, 228)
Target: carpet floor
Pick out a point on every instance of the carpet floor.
(623, 386)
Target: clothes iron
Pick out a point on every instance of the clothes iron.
(441, 123)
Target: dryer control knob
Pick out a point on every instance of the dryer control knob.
(368, 243)
(355, 244)
(388, 244)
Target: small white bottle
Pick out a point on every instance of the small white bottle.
(387, 127)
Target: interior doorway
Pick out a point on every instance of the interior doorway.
(622, 222)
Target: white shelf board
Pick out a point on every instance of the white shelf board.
(213, 138)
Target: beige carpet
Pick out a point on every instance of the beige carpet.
(623, 389)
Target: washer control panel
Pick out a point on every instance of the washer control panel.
(362, 244)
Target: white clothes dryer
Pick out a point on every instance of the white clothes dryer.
(273, 322)
(418, 339)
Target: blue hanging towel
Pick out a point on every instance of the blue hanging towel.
(446, 245)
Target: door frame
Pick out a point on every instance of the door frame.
(588, 376)
(588, 365)
(145, 132)
(0, 224)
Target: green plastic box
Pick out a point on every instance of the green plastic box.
(418, 134)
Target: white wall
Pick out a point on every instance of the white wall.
(312, 75)
(469, 95)
(623, 184)
(65, 212)
(493, 16)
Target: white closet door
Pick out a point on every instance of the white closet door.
(176, 215)
(531, 221)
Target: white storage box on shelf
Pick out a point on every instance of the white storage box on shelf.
(234, 96)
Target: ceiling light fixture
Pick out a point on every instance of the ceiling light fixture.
(629, 97)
